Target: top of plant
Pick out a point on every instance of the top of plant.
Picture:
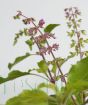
(75, 81)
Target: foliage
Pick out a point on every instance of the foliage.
(75, 88)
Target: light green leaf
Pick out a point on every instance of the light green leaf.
(50, 27)
(86, 53)
(30, 43)
(29, 97)
(71, 34)
(43, 67)
(54, 68)
(18, 60)
(45, 85)
(78, 74)
(86, 40)
(13, 75)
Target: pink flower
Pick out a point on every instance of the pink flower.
(32, 30)
(41, 23)
(44, 37)
(49, 49)
(43, 50)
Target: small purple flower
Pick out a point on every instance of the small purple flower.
(32, 30)
(44, 37)
(48, 49)
(43, 50)
(55, 46)
(41, 23)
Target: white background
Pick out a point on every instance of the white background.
(52, 11)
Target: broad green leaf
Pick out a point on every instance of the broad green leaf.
(18, 60)
(78, 75)
(30, 43)
(52, 100)
(29, 97)
(43, 67)
(13, 75)
(50, 27)
(79, 71)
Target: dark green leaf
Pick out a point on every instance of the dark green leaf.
(50, 27)
(13, 75)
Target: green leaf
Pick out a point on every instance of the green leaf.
(30, 43)
(71, 55)
(71, 34)
(78, 75)
(73, 43)
(80, 20)
(45, 85)
(52, 100)
(60, 61)
(13, 75)
(29, 97)
(83, 32)
(20, 34)
(42, 66)
(86, 40)
(69, 24)
(50, 27)
(18, 60)
(54, 68)
(16, 17)
(86, 53)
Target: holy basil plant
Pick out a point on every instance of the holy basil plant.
(75, 83)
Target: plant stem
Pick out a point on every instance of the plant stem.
(52, 56)
(51, 78)
(79, 47)
(74, 100)
(39, 76)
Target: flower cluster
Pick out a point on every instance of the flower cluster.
(48, 49)
(43, 37)
(71, 12)
(28, 20)
(41, 23)
(33, 30)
